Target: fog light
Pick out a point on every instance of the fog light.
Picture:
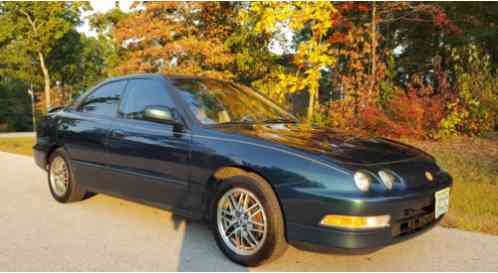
(356, 222)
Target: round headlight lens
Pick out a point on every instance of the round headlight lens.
(387, 178)
(362, 181)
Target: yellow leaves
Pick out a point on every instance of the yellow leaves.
(243, 16)
(295, 15)
(312, 57)
(267, 14)
(312, 54)
(291, 82)
(320, 13)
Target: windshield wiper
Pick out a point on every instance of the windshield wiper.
(279, 120)
(235, 122)
(270, 120)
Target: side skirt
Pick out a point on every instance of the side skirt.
(190, 215)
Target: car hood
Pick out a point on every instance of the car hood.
(337, 146)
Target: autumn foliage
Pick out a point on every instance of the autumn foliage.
(409, 115)
(173, 37)
(356, 66)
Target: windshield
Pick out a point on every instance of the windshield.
(216, 102)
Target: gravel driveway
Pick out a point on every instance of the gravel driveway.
(108, 234)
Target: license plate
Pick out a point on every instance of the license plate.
(442, 202)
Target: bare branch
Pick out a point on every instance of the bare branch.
(30, 20)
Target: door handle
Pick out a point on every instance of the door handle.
(117, 134)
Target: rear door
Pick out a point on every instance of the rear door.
(149, 159)
(84, 130)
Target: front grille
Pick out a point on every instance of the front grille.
(414, 220)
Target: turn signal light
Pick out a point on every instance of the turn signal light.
(356, 222)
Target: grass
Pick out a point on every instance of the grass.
(473, 163)
(17, 145)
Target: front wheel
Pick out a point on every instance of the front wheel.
(247, 220)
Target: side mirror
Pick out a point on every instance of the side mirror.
(161, 114)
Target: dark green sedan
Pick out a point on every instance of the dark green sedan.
(220, 152)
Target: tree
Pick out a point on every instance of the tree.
(175, 38)
(110, 50)
(311, 22)
(15, 105)
(477, 22)
(418, 31)
(33, 29)
(77, 63)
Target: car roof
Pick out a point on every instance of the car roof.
(168, 76)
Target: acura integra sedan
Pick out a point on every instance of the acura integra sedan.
(220, 152)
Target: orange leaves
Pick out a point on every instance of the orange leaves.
(172, 37)
(405, 115)
(338, 38)
(363, 7)
(353, 6)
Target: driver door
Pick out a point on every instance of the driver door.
(149, 159)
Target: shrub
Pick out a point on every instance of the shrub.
(463, 101)
(405, 115)
(476, 109)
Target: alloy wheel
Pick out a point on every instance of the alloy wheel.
(242, 221)
(59, 176)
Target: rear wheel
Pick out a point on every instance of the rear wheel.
(62, 186)
(247, 220)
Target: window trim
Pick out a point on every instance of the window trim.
(80, 101)
(191, 115)
(165, 84)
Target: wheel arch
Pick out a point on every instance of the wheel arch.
(225, 172)
(52, 149)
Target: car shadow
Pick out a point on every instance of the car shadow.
(199, 251)
(189, 244)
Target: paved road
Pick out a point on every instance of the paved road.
(109, 234)
(18, 134)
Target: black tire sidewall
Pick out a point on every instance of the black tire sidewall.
(269, 245)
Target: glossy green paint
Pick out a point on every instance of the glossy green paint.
(310, 169)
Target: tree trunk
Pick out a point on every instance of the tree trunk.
(311, 106)
(46, 78)
(374, 48)
(43, 67)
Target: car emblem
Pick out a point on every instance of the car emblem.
(429, 176)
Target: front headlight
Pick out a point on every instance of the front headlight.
(362, 181)
(388, 178)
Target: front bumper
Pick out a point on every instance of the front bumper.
(410, 215)
(350, 242)
(40, 157)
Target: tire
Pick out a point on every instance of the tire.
(72, 192)
(272, 243)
